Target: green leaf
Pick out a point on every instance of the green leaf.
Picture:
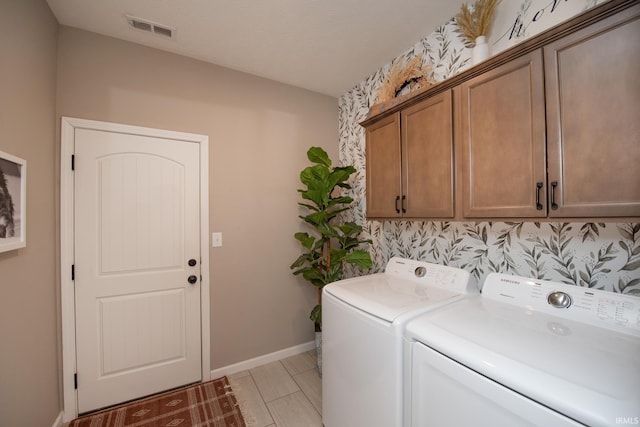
(308, 206)
(299, 262)
(305, 239)
(333, 213)
(327, 229)
(316, 218)
(334, 274)
(317, 197)
(314, 175)
(339, 175)
(339, 201)
(315, 277)
(350, 228)
(337, 255)
(318, 155)
(316, 314)
(360, 258)
(350, 243)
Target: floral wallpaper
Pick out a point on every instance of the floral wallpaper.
(597, 255)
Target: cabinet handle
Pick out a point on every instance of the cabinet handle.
(397, 200)
(554, 205)
(403, 208)
(538, 188)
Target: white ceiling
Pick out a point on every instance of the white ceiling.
(327, 46)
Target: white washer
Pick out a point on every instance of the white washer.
(363, 321)
(526, 352)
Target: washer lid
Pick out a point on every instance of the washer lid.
(387, 297)
(406, 286)
(586, 372)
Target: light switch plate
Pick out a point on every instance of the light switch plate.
(216, 240)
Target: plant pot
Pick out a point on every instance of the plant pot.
(319, 351)
(480, 51)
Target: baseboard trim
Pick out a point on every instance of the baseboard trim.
(58, 422)
(261, 360)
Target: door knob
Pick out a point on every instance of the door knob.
(192, 262)
(192, 279)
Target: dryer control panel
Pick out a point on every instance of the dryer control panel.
(593, 306)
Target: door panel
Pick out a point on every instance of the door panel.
(593, 119)
(124, 322)
(383, 168)
(427, 152)
(503, 141)
(136, 198)
(136, 227)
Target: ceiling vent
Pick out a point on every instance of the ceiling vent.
(150, 26)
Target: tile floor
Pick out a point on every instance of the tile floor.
(286, 393)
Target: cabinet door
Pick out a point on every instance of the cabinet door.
(593, 119)
(383, 168)
(503, 141)
(427, 158)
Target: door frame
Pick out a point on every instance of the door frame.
(67, 288)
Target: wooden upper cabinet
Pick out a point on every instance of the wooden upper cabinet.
(547, 129)
(593, 119)
(410, 162)
(427, 158)
(383, 168)
(502, 161)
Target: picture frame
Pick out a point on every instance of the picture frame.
(13, 202)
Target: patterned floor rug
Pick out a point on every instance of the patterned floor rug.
(210, 404)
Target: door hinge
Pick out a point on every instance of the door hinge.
(73, 162)
(75, 381)
(73, 272)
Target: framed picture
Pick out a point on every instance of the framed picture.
(13, 202)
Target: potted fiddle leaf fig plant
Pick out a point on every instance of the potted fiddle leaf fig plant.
(332, 243)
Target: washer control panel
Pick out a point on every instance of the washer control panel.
(420, 271)
(441, 276)
(593, 306)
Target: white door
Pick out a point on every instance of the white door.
(137, 266)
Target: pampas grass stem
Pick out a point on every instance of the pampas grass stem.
(477, 22)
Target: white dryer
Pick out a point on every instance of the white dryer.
(526, 353)
(363, 321)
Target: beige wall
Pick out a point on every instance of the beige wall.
(259, 131)
(29, 393)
